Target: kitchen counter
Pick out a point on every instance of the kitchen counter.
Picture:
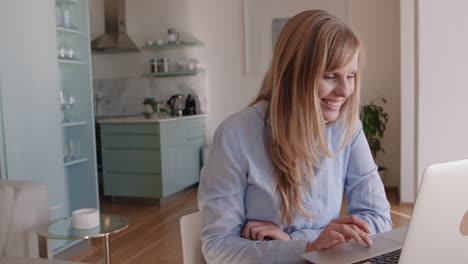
(142, 119)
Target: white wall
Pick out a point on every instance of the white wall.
(442, 63)
(258, 16)
(32, 133)
(376, 22)
(434, 56)
(219, 24)
(408, 102)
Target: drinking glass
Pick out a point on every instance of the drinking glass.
(66, 152)
(70, 103)
(73, 146)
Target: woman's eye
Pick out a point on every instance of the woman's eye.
(351, 76)
(329, 76)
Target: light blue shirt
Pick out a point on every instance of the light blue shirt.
(236, 185)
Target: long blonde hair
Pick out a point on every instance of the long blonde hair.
(311, 43)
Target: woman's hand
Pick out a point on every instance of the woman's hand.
(341, 230)
(260, 230)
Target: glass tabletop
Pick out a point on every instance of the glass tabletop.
(62, 228)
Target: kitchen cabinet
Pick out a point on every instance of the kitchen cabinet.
(151, 159)
(35, 136)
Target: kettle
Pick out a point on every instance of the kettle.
(177, 104)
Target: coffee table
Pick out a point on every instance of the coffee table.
(62, 229)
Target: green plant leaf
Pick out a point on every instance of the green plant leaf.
(374, 120)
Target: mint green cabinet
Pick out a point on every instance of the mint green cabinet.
(151, 160)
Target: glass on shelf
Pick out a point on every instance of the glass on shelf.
(71, 150)
(66, 51)
(66, 13)
(63, 105)
(58, 16)
(67, 104)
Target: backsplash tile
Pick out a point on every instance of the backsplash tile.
(124, 96)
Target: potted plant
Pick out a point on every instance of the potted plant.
(374, 122)
(152, 107)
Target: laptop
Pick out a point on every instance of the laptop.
(437, 233)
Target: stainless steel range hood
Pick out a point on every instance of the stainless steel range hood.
(115, 38)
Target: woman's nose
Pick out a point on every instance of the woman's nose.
(345, 87)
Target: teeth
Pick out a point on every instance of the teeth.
(332, 103)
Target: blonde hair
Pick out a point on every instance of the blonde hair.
(311, 43)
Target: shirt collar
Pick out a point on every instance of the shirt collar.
(262, 107)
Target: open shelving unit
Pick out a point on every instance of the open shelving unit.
(75, 82)
(62, 29)
(76, 161)
(65, 61)
(179, 44)
(75, 123)
(173, 45)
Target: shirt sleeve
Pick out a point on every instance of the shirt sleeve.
(221, 201)
(364, 188)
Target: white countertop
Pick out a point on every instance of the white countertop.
(142, 119)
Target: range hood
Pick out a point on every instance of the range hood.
(115, 38)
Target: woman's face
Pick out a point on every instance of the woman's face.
(335, 87)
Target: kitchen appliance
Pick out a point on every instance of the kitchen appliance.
(177, 104)
(115, 38)
(190, 106)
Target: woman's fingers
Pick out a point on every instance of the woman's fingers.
(247, 231)
(364, 235)
(259, 230)
(333, 238)
(353, 220)
(337, 233)
(349, 232)
(353, 232)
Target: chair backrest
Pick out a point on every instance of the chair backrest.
(190, 226)
(23, 209)
(7, 199)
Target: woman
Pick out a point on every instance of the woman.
(272, 188)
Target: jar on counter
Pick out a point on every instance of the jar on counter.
(163, 65)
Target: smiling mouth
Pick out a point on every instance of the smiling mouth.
(334, 104)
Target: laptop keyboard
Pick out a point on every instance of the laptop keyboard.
(387, 258)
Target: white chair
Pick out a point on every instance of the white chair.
(190, 226)
(23, 208)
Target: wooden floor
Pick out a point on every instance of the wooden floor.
(154, 235)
